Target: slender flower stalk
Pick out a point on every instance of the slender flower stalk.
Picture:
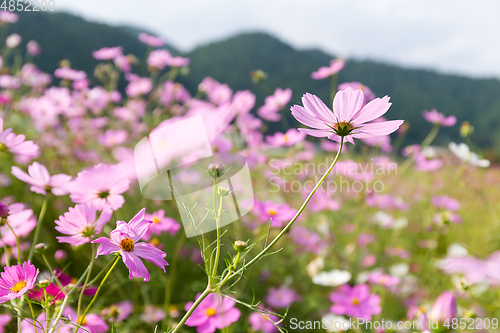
(38, 227)
(193, 307)
(85, 284)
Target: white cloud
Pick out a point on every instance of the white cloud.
(457, 36)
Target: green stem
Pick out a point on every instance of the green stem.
(17, 243)
(85, 283)
(33, 314)
(430, 137)
(80, 321)
(173, 270)
(191, 310)
(217, 252)
(285, 229)
(47, 307)
(38, 227)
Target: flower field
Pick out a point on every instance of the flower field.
(350, 227)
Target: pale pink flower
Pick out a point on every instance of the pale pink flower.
(290, 138)
(269, 211)
(446, 202)
(274, 103)
(4, 321)
(152, 314)
(118, 312)
(13, 41)
(102, 185)
(161, 223)
(16, 144)
(107, 53)
(151, 40)
(21, 220)
(41, 181)
(336, 66)
(263, 320)
(282, 297)
(369, 95)
(16, 280)
(138, 85)
(385, 280)
(124, 239)
(433, 116)
(33, 48)
(112, 138)
(348, 119)
(8, 17)
(81, 224)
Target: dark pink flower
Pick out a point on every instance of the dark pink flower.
(16, 280)
(102, 185)
(81, 224)
(355, 302)
(433, 116)
(151, 40)
(124, 239)
(336, 66)
(16, 144)
(41, 181)
(348, 119)
(214, 312)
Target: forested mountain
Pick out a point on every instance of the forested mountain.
(64, 36)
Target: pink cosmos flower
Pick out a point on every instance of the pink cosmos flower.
(22, 222)
(322, 200)
(102, 185)
(385, 280)
(444, 308)
(274, 103)
(217, 93)
(290, 138)
(152, 314)
(355, 302)
(281, 297)
(306, 240)
(348, 119)
(16, 280)
(159, 58)
(33, 48)
(369, 95)
(70, 74)
(138, 85)
(151, 40)
(433, 116)
(118, 312)
(263, 321)
(4, 321)
(446, 202)
(112, 138)
(53, 289)
(60, 255)
(214, 312)
(124, 239)
(41, 181)
(473, 269)
(15, 144)
(8, 17)
(107, 53)
(13, 40)
(161, 223)
(336, 66)
(278, 214)
(80, 224)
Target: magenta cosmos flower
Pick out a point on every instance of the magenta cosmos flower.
(41, 181)
(124, 240)
(151, 40)
(433, 116)
(290, 138)
(278, 214)
(336, 66)
(102, 185)
(214, 312)
(16, 280)
(161, 223)
(355, 302)
(15, 144)
(348, 119)
(80, 224)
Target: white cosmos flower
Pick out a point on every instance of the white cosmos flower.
(334, 323)
(399, 270)
(315, 266)
(457, 250)
(332, 278)
(462, 151)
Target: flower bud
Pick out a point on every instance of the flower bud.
(444, 308)
(4, 210)
(40, 247)
(43, 283)
(258, 76)
(240, 246)
(466, 129)
(215, 170)
(223, 191)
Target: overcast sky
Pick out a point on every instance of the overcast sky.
(454, 36)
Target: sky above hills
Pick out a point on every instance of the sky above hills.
(451, 36)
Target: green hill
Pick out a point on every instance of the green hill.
(64, 36)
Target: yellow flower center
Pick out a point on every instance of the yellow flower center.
(155, 242)
(20, 285)
(210, 312)
(156, 220)
(285, 138)
(127, 244)
(82, 322)
(355, 301)
(383, 280)
(272, 212)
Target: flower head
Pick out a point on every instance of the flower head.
(151, 40)
(20, 223)
(80, 224)
(263, 320)
(444, 308)
(332, 278)
(214, 312)
(118, 312)
(124, 239)
(462, 151)
(336, 66)
(161, 223)
(15, 144)
(290, 138)
(16, 280)
(348, 119)
(355, 302)
(102, 185)
(41, 181)
(278, 214)
(107, 53)
(274, 103)
(433, 116)
(281, 297)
